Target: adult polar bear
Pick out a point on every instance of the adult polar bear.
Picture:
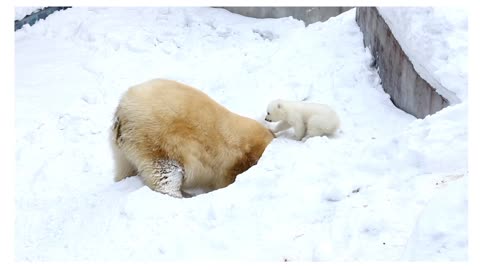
(307, 119)
(179, 139)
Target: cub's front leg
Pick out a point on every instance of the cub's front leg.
(283, 125)
(300, 129)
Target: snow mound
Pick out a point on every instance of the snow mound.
(22, 12)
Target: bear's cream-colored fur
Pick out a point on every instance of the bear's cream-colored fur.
(307, 119)
(178, 139)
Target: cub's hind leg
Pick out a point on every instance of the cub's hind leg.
(165, 176)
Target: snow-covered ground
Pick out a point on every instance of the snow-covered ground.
(387, 187)
(436, 41)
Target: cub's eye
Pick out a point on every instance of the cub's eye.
(268, 113)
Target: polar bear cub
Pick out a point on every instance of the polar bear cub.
(307, 119)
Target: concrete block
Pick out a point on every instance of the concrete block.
(407, 89)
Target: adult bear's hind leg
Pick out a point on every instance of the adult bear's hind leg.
(122, 167)
(164, 176)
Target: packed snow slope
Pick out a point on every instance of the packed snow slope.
(386, 187)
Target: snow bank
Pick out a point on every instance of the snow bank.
(376, 191)
(436, 41)
(22, 12)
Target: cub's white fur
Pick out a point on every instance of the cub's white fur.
(307, 119)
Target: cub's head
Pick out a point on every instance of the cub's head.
(276, 111)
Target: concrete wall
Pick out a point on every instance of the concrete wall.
(407, 89)
(307, 14)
